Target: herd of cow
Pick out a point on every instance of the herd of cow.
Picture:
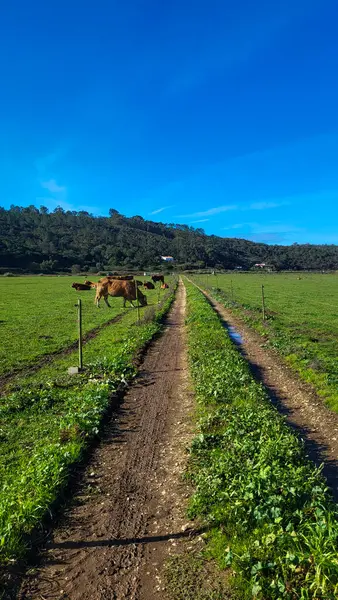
(121, 286)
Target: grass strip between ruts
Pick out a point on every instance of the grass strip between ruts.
(272, 518)
(47, 424)
(307, 344)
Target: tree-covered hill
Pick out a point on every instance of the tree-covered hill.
(35, 240)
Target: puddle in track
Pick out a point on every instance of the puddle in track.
(234, 335)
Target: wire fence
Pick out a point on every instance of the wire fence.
(301, 304)
(42, 318)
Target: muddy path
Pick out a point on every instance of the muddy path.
(304, 410)
(129, 511)
(46, 359)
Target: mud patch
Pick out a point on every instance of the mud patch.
(191, 577)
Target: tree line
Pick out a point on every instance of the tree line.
(35, 240)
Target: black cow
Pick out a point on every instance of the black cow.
(157, 278)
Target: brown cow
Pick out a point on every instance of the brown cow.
(81, 286)
(92, 284)
(118, 278)
(164, 286)
(157, 278)
(148, 285)
(117, 289)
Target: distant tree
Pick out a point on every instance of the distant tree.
(34, 267)
(31, 208)
(61, 239)
(76, 268)
(48, 266)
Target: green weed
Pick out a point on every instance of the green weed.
(273, 520)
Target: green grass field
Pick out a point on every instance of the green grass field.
(302, 319)
(38, 316)
(47, 418)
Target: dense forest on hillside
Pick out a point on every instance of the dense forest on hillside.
(34, 240)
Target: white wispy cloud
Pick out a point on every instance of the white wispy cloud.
(236, 226)
(200, 221)
(52, 186)
(46, 166)
(275, 228)
(266, 205)
(270, 233)
(272, 227)
(316, 196)
(51, 203)
(225, 208)
(211, 211)
(159, 210)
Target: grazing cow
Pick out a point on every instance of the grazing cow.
(121, 277)
(164, 286)
(148, 285)
(92, 284)
(116, 278)
(81, 286)
(119, 289)
(157, 278)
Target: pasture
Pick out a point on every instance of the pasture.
(38, 317)
(302, 318)
(48, 417)
(268, 511)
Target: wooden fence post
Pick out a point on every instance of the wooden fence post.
(263, 303)
(137, 300)
(79, 304)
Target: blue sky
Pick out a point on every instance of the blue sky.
(217, 114)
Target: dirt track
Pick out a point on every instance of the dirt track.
(129, 513)
(130, 507)
(304, 410)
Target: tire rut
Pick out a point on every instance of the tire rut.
(97, 550)
(304, 410)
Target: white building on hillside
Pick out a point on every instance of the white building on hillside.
(167, 258)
